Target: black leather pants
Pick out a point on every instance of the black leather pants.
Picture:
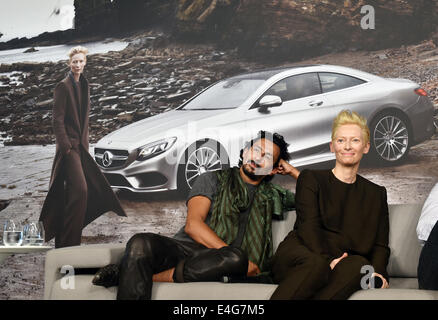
(147, 254)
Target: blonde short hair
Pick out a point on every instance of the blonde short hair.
(76, 50)
(349, 117)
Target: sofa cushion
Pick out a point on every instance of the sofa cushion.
(212, 291)
(400, 289)
(403, 283)
(281, 228)
(395, 294)
(88, 256)
(403, 242)
(84, 289)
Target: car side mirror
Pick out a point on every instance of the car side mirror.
(269, 101)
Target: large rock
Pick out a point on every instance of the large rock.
(110, 16)
(292, 29)
(95, 17)
(270, 29)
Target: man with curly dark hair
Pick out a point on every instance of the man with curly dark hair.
(228, 230)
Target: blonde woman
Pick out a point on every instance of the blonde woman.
(342, 225)
(78, 192)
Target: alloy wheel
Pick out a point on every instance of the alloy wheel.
(202, 160)
(391, 138)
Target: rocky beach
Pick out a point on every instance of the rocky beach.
(153, 75)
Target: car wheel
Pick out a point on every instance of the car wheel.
(203, 156)
(390, 138)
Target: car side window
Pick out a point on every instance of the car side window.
(295, 87)
(336, 81)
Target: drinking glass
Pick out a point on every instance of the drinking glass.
(33, 234)
(12, 233)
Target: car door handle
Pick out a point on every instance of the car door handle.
(315, 103)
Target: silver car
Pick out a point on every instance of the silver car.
(170, 150)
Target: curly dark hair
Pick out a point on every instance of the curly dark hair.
(277, 139)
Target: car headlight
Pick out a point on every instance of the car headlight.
(155, 148)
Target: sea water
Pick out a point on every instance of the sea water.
(58, 52)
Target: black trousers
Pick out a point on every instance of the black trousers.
(428, 264)
(147, 254)
(76, 192)
(302, 274)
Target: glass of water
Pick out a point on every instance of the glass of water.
(33, 234)
(12, 233)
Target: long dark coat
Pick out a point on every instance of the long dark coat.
(70, 124)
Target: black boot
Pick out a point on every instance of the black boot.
(107, 276)
(212, 265)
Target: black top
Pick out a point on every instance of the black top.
(334, 217)
(207, 185)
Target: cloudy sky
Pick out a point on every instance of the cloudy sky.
(28, 18)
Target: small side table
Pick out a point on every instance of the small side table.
(6, 251)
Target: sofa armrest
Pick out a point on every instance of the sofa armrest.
(89, 256)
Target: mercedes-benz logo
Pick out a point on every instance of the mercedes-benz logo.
(107, 159)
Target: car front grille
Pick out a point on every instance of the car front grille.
(110, 158)
(117, 180)
(151, 179)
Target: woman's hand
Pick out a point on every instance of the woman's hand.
(385, 283)
(336, 261)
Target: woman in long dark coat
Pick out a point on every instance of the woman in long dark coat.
(78, 191)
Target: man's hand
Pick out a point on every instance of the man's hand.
(336, 261)
(285, 168)
(385, 283)
(253, 269)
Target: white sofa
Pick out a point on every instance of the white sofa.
(402, 269)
